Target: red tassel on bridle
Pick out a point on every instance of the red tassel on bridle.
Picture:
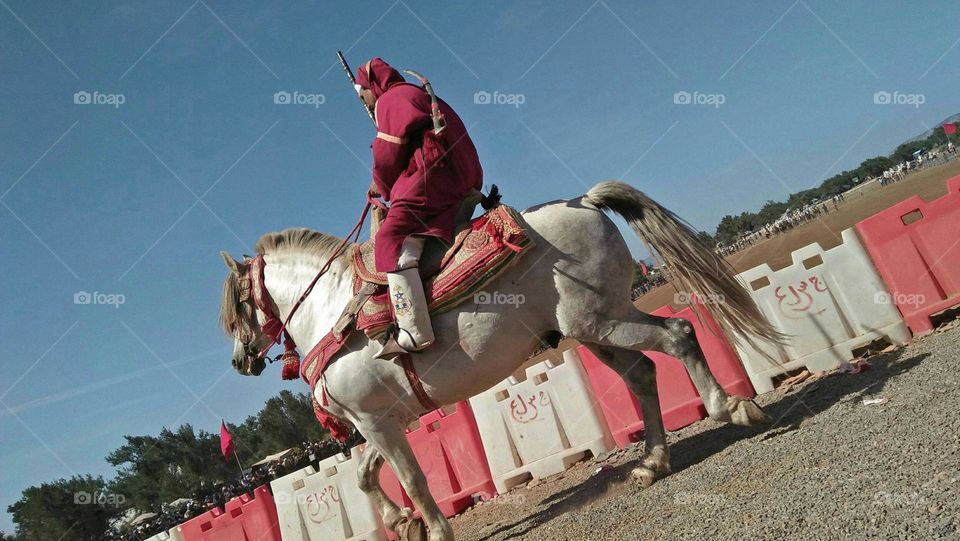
(291, 364)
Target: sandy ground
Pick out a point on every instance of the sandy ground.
(829, 467)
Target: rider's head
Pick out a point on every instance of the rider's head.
(376, 77)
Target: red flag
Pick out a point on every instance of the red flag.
(949, 128)
(643, 268)
(226, 441)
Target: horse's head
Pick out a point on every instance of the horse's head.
(239, 317)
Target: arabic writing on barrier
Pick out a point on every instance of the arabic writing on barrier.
(800, 300)
(524, 410)
(318, 503)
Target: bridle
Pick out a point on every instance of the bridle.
(252, 286)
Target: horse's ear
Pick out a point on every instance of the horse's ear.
(231, 263)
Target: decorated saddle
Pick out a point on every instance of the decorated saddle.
(479, 254)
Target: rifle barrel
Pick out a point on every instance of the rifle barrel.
(353, 81)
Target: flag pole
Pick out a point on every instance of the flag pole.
(235, 455)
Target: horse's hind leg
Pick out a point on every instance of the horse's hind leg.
(640, 375)
(682, 343)
(388, 437)
(368, 473)
(638, 331)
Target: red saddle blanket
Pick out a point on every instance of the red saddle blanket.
(479, 254)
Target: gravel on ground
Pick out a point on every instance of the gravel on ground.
(828, 467)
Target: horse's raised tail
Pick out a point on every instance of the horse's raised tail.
(693, 267)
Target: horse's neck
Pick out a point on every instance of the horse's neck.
(286, 276)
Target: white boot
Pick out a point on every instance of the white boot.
(415, 332)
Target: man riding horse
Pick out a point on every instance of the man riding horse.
(425, 175)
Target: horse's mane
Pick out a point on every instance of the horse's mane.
(297, 238)
(294, 239)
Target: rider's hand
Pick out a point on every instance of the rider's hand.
(372, 191)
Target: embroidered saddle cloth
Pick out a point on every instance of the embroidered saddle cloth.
(479, 253)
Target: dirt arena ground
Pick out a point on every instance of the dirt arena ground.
(928, 184)
(829, 467)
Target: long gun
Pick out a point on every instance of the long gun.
(379, 214)
(353, 81)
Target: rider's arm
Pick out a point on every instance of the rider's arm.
(390, 158)
(397, 120)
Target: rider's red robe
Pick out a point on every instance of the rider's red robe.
(424, 180)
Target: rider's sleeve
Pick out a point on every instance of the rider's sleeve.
(393, 148)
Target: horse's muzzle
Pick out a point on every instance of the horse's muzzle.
(250, 365)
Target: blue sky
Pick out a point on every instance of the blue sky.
(136, 199)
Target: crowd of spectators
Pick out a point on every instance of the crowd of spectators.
(788, 221)
(654, 280)
(215, 495)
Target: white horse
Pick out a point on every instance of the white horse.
(576, 281)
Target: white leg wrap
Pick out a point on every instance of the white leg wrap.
(410, 309)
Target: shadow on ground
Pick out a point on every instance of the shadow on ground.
(788, 412)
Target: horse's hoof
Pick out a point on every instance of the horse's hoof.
(644, 475)
(412, 530)
(745, 412)
(393, 519)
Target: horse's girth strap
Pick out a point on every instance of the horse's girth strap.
(407, 361)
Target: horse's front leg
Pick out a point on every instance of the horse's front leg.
(368, 473)
(387, 436)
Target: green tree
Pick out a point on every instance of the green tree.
(706, 238)
(904, 152)
(286, 420)
(770, 211)
(152, 470)
(78, 508)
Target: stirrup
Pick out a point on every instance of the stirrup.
(392, 348)
(390, 351)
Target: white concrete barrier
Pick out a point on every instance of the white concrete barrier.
(542, 425)
(326, 504)
(830, 302)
